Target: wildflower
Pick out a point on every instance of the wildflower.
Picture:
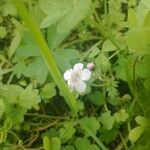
(90, 66)
(75, 77)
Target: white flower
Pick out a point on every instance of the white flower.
(75, 77)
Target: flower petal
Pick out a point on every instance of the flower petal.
(67, 74)
(78, 67)
(86, 74)
(71, 85)
(80, 86)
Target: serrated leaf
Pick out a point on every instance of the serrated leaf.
(75, 15)
(82, 144)
(91, 123)
(66, 132)
(15, 113)
(107, 120)
(121, 116)
(136, 133)
(97, 98)
(48, 91)
(29, 98)
(19, 68)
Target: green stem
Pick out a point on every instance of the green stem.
(46, 53)
(102, 146)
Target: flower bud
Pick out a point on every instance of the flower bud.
(90, 66)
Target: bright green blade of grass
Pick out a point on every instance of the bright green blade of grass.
(46, 53)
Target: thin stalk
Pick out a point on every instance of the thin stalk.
(101, 145)
(46, 54)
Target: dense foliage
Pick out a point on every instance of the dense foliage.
(37, 109)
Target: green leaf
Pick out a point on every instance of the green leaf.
(132, 18)
(108, 46)
(68, 147)
(19, 68)
(69, 54)
(138, 40)
(10, 93)
(3, 32)
(29, 98)
(121, 116)
(3, 135)
(75, 15)
(94, 147)
(55, 10)
(2, 106)
(48, 7)
(64, 57)
(142, 121)
(66, 132)
(108, 135)
(8, 124)
(97, 98)
(54, 38)
(62, 62)
(14, 43)
(82, 144)
(25, 51)
(136, 133)
(102, 62)
(93, 51)
(15, 113)
(9, 9)
(55, 143)
(146, 22)
(46, 143)
(48, 91)
(107, 120)
(37, 70)
(146, 3)
(91, 123)
(53, 18)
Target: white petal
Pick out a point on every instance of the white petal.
(71, 85)
(80, 86)
(67, 74)
(78, 67)
(85, 74)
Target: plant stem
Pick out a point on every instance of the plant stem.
(102, 146)
(47, 54)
